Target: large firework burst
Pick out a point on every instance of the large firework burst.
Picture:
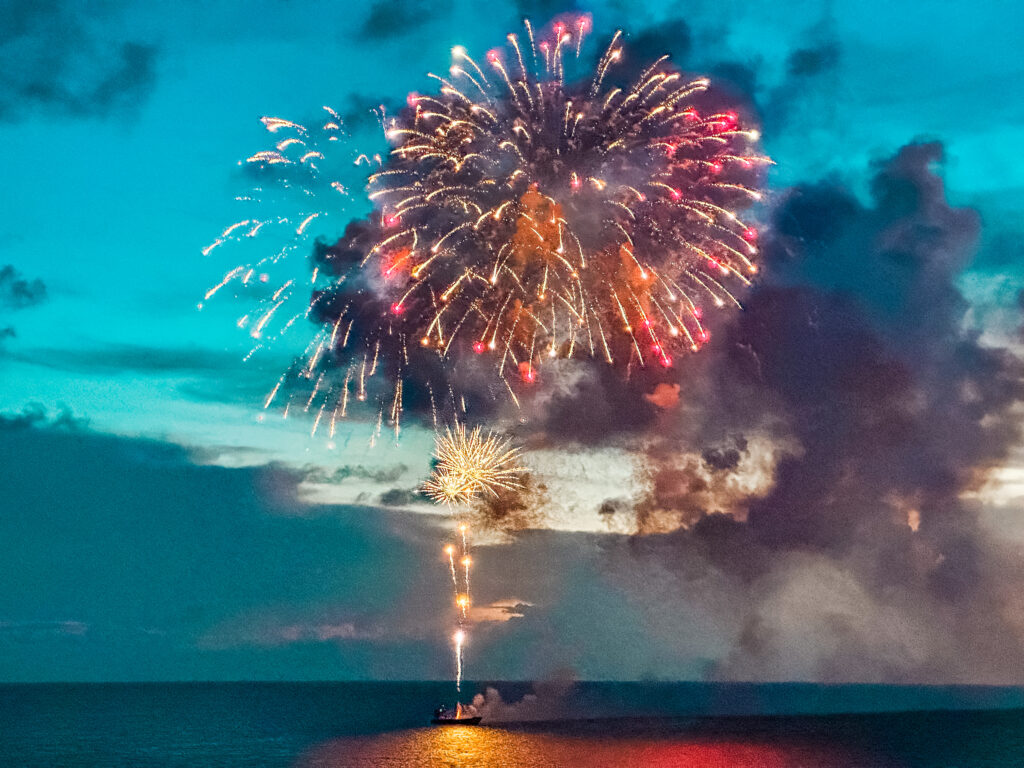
(522, 217)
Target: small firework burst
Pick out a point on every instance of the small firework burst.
(471, 464)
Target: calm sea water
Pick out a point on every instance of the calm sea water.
(358, 725)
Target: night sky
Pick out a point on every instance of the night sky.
(835, 496)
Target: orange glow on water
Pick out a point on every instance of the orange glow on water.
(489, 746)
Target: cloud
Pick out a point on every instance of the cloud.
(724, 458)
(512, 510)
(672, 37)
(153, 541)
(549, 700)
(27, 631)
(806, 488)
(16, 292)
(500, 610)
(807, 62)
(821, 444)
(61, 57)
(807, 92)
(389, 474)
(361, 111)
(200, 374)
(400, 497)
(272, 635)
(395, 18)
(34, 414)
(542, 11)
(135, 358)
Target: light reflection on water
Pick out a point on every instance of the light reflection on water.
(494, 746)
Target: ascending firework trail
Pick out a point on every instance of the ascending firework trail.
(469, 465)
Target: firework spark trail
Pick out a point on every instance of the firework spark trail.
(450, 551)
(459, 637)
(468, 465)
(297, 152)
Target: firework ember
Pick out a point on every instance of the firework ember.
(522, 218)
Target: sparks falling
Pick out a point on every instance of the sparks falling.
(294, 193)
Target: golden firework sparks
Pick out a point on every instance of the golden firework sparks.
(472, 464)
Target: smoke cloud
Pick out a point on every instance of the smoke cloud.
(873, 412)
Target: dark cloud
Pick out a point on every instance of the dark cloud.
(400, 497)
(737, 82)
(518, 610)
(611, 507)
(17, 292)
(812, 476)
(641, 47)
(808, 90)
(61, 56)
(389, 474)
(672, 37)
(513, 510)
(361, 111)
(808, 62)
(394, 18)
(590, 410)
(542, 11)
(724, 458)
(34, 415)
(135, 358)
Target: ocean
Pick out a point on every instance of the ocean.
(359, 725)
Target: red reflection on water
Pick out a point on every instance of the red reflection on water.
(483, 746)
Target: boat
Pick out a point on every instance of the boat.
(459, 716)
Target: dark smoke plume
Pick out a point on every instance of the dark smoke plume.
(854, 362)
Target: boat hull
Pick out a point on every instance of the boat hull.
(455, 721)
